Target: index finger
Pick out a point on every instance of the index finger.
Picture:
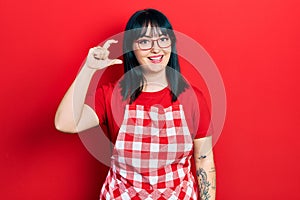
(108, 43)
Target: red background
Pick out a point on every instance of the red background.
(255, 45)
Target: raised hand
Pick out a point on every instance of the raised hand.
(98, 56)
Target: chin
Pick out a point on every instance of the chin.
(154, 68)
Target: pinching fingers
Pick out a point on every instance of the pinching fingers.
(108, 43)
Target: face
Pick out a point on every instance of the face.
(152, 59)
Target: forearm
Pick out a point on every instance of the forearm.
(72, 105)
(206, 176)
(205, 168)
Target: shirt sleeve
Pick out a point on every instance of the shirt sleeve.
(202, 113)
(108, 107)
(100, 105)
(197, 112)
(97, 100)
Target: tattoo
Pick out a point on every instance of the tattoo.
(204, 184)
(213, 184)
(201, 157)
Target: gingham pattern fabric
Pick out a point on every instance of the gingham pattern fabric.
(151, 158)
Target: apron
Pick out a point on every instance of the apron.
(151, 156)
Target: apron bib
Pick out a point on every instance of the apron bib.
(151, 156)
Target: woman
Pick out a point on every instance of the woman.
(152, 116)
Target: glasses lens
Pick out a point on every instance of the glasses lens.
(164, 42)
(145, 43)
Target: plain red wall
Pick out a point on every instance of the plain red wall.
(255, 45)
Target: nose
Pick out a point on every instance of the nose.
(155, 48)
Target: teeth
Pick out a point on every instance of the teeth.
(155, 58)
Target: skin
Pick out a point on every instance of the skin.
(154, 72)
(73, 115)
(205, 168)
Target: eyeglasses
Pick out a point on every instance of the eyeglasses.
(147, 44)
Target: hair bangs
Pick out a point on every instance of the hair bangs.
(158, 23)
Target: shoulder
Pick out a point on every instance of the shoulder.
(110, 93)
(191, 95)
(194, 102)
(108, 89)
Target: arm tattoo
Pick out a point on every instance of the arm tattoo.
(204, 184)
(201, 157)
(213, 184)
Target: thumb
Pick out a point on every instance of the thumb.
(115, 61)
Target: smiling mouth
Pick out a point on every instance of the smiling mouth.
(156, 59)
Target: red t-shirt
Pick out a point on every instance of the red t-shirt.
(109, 108)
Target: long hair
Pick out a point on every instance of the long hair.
(133, 82)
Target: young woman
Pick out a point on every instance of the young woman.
(156, 120)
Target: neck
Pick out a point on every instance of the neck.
(155, 81)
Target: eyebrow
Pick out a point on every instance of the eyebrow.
(148, 36)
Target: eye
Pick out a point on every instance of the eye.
(164, 39)
(143, 41)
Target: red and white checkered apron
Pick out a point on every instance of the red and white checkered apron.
(151, 157)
